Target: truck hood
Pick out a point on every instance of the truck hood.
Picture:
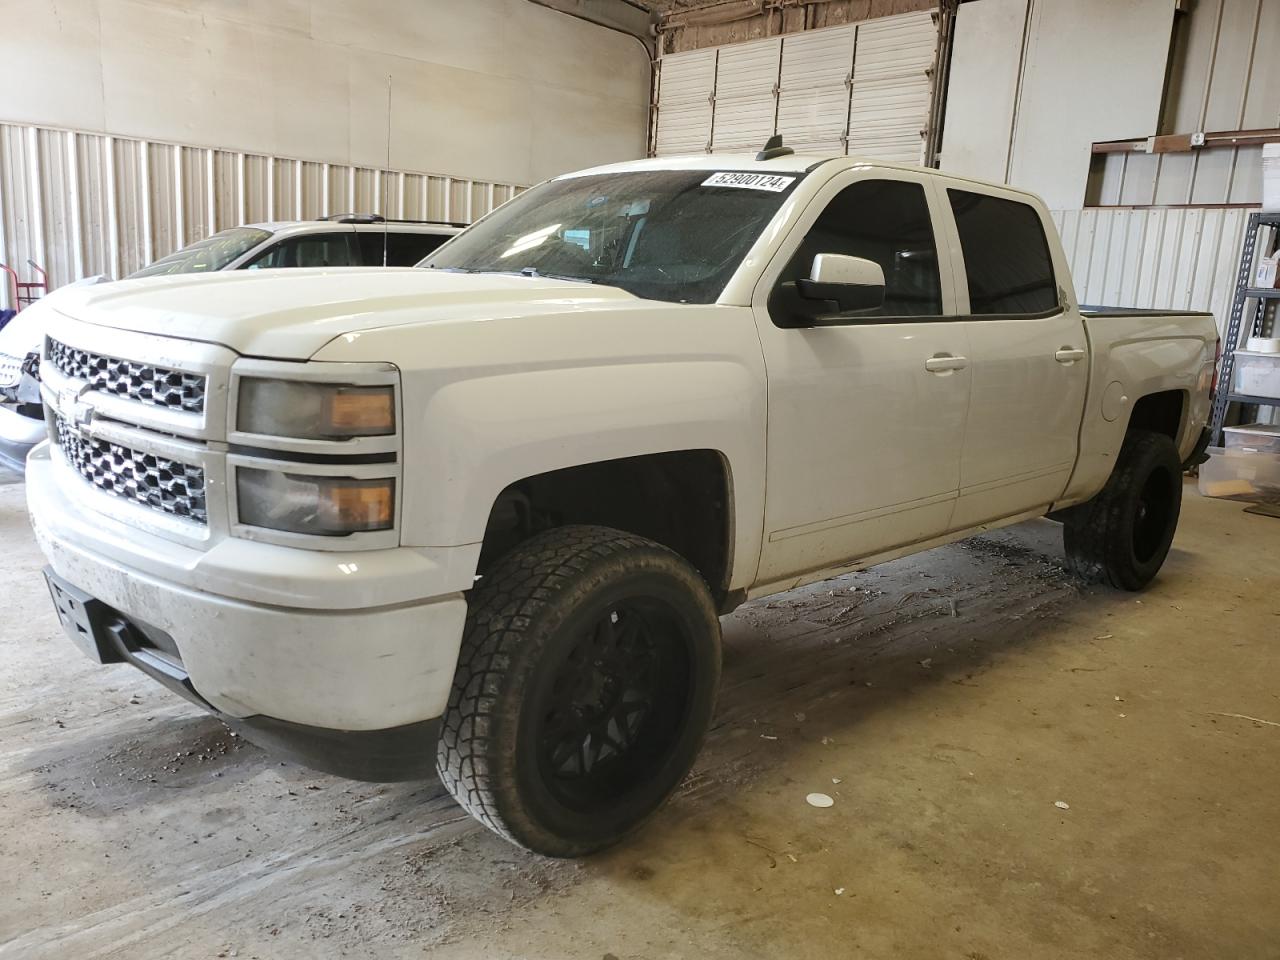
(291, 314)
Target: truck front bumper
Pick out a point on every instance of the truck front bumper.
(374, 675)
(107, 636)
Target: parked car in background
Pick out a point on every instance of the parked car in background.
(343, 240)
(21, 411)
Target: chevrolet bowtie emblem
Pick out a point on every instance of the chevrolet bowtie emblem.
(83, 416)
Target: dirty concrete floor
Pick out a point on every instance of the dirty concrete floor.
(132, 825)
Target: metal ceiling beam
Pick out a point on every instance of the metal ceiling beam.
(624, 16)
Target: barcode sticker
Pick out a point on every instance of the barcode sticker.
(750, 181)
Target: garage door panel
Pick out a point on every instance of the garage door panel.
(686, 84)
(891, 91)
(866, 85)
(813, 97)
(895, 46)
(746, 102)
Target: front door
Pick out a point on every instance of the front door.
(1028, 358)
(866, 417)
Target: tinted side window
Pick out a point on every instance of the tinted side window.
(403, 249)
(886, 221)
(313, 250)
(1006, 254)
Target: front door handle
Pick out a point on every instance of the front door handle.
(1069, 355)
(945, 363)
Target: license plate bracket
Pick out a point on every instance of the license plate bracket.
(83, 618)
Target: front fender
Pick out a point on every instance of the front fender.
(509, 399)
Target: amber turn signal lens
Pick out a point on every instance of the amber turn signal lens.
(362, 504)
(361, 411)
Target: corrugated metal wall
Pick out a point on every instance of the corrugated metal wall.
(862, 89)
(1224, 75)
(82, 203)
(1183, 259)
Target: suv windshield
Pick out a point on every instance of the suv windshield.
(205, 256)
(674, 235)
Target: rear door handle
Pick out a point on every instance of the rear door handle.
(1069, 355)
(945, 363)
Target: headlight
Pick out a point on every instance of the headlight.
(321, 506)
(307, 410)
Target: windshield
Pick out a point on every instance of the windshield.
(675, 235)
(205, 256)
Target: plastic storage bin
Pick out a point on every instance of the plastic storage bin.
(1257, 374)
(1253, 438)
(1235, 474)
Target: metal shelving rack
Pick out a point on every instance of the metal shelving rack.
(1262, 322)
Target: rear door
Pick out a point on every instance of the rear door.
(866, 417)
(1028, 355)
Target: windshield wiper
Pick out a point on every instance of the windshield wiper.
(535, 272)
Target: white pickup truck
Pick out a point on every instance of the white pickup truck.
(483, 515)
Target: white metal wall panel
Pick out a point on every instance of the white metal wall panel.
(81, 203)
(813, 93)
(982, 88)
(1181, 259)
(686, 87)
(746, 100)
(891, 90)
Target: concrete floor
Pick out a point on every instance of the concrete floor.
(132, 825)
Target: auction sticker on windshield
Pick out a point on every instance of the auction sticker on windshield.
(749, 181)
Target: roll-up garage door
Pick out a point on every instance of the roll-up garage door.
(746, 100)
(862, 89)
(686, 84)
(890, 94)
(813, 94)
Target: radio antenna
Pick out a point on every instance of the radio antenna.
(386, 176)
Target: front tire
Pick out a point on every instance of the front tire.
(1122, 536)
(585, 686)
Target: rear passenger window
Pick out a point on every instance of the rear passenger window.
(1006, 255)
(886, 221)
(403, 249)
(309, 250)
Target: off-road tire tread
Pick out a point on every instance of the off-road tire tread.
(500, 610)
(1093, 552)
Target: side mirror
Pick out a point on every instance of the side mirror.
(849, 284)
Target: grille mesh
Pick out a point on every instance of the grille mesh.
(166, 485)
(126, 378)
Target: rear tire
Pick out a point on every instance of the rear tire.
(1122, 536)
(585, 686)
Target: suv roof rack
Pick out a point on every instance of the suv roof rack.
(379, 218)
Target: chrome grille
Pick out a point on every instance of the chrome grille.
(169, 486)
(143, 382)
